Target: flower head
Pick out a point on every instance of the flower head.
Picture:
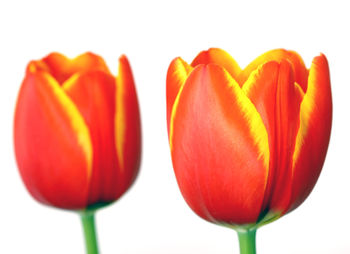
(248, 145)
(77, 131)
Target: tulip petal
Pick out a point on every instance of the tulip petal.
(314, 133)
(272, 90)
(94, 94)
(219, 57)
(261, 89)
(127, 127)
(52, 143)
(216, 135)
(62, 68)
(299, 69)
(288, 100)
(177, 74)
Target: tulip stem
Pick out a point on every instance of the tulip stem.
(247, 241)
(88, 221)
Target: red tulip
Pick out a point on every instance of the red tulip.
(247, 145)
(77, 131)
(77, 134)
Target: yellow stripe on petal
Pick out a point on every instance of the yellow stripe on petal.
(77, 121)
(257, 127)
(120, 117)
(70, 82)
(172, 116)
(306, 108)
(251, 82)
(178, 72)
(299, 90)
(182, 69)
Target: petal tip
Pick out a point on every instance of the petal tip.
(123, 58)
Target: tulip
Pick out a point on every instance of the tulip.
(247, 145)
(77, 134)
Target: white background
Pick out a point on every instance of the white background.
(152, 217)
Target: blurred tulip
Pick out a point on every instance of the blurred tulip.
(77, 132)
(247, 145)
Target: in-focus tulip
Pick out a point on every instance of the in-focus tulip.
(77, 131)
(247, 145)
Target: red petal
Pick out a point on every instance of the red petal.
(177, 74)
(219, 57)
(219, 148)
(313, 136)
(128, 127)
(94, 94)
(272, 90)
(52, 144)
(299, 69)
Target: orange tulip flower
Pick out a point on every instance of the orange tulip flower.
(77, 131)
(248, 145)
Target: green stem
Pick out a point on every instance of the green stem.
(247, 241)
(88, 221)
